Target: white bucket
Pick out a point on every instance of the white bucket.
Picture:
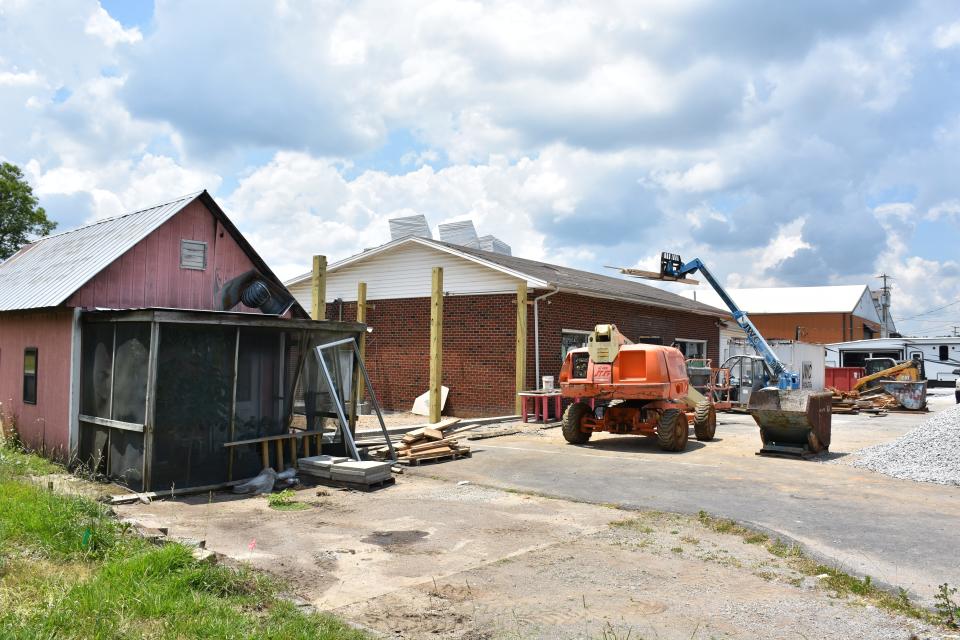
(547, 384)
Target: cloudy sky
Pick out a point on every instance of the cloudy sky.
(785, 143)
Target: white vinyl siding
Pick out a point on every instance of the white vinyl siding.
(405, 272)
(866, 309)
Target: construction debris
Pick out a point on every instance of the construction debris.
(889, 397)
(426, 443)
(266, 481)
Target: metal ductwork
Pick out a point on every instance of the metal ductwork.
(254, 291)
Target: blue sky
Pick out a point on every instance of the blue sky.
(784, 143)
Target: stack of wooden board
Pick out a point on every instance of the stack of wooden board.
(426, 443)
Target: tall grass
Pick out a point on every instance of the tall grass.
(68, 570)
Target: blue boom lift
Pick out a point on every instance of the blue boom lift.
(792, 421)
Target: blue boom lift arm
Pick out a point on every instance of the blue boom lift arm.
(672, 267)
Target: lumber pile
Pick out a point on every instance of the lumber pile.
(426, 443)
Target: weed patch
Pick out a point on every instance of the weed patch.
(107, 584)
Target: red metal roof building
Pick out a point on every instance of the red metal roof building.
(97, 346)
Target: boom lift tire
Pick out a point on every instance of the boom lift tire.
(672, 430)
(705, 420)
(570, 425)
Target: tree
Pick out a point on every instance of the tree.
(20, 217)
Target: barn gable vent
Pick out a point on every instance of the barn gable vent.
(193, 255)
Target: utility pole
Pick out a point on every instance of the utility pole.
(884, 304)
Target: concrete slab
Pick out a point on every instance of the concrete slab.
(896, 531)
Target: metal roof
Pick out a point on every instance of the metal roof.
(46, 272)
(826, 299)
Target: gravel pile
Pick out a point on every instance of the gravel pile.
(929, 453)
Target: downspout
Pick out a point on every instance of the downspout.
(536, 334)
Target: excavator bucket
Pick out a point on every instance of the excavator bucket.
(792, 422)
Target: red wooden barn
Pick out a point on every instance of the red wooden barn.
(142, 343)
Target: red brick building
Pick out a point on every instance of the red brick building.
(479, 319)
(820, 315)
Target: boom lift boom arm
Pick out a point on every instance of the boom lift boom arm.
(671, 266)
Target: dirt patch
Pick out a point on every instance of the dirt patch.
(390, 539)
(428, 559)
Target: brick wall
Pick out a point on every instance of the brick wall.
(478, 351)
(818, 328)
(569, 311)
(479, 334)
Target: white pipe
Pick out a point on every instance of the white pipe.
(536, 334)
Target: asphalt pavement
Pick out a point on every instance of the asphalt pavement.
(899, 532)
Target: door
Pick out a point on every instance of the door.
(917, 356)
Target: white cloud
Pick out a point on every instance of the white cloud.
(111, 32)
(587, 134)
(20, 79)
(947, 35)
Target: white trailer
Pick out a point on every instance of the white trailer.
(940, 356)
(808, 360)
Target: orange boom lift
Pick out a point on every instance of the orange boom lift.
(621, 387)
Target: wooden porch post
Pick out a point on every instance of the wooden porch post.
(318, 288)
(436, 343)
(521, 344)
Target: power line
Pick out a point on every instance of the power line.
(924, 313)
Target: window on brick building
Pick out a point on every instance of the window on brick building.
(572, 339)
(692, 348)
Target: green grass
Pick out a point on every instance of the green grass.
(840, 582)
(69, 571)
(15, 462)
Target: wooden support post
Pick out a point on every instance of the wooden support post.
(279, 456)
(318, 288)
(293, 452)
(436, 343)
(521, 344)
(265, 454)
(356, 380)
(362, 345)
(306, 446)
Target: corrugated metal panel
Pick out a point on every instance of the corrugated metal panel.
(409, 226)
(150, 273)
(462, 233)
(493, 244)
(47, 272)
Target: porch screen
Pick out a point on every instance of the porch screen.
(193, 400)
